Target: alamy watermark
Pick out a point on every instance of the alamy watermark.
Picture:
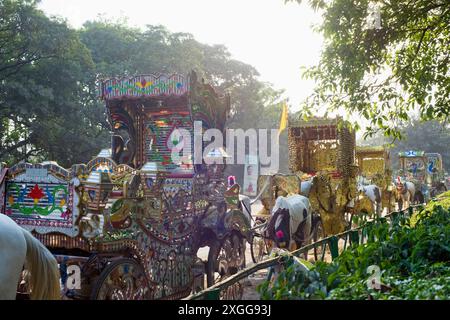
(207, 145)
(71, 279)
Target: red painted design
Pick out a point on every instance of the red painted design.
(36, 193)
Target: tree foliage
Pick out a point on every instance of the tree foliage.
(49, 107)
(46, 103)
(388, 71)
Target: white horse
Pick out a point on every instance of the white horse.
(373, 192)
(18, 247)
(291, 221)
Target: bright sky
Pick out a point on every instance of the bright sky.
(274, 37)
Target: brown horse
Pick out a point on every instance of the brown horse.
(404, 193)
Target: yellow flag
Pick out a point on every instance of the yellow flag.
(284, 118)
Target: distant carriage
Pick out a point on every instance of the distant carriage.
(324, 149)
(436, 174)
(423, 170)
(322, 162)
(374, 178)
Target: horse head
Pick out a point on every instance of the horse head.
(280, 231)
(281, 228)
(400, 186)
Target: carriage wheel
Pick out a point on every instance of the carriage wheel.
(225, 258)
(318, 234)
(259, 247)
(122, 279)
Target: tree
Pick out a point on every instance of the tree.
(21, 45)
(49, 105)
(119, 50)
(384, 60)
(48, 108)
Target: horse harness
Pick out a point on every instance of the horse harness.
(402, 188)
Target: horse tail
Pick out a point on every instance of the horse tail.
(43, 268)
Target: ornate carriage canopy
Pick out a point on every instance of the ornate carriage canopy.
(413, 165)
(147, 112)
(372, 160)
(411, 154)
(321, 144)
(42, 198)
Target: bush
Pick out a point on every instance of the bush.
(413, 257)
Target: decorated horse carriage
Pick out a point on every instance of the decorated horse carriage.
(424, 171)
(132, 220)
(374, 169)
(322, 162)
(436, 174)
(412, 170)
(323, 151)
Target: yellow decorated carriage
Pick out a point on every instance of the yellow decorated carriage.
(374, 167)
(325, 149)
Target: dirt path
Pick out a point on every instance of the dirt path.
(254, 280)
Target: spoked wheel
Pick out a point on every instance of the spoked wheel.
(122, 279)
(225, 258)
(260, 247)
(318, 234)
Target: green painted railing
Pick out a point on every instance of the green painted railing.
(357, 235)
